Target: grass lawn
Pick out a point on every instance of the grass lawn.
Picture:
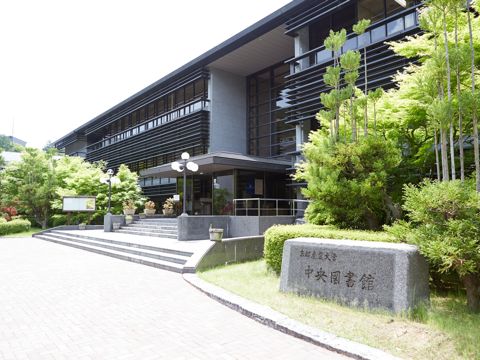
(28, 233)
(447, 330)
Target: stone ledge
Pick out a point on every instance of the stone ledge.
(280, 322)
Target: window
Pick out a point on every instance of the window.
(267, 99)
(151, 110)
(179, 97)
(344, 19)
(160, 106)
(189, 94)
(200, 90)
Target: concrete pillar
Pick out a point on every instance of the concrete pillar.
(302, 45)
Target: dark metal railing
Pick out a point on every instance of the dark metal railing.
(377, 32)
(160, 120)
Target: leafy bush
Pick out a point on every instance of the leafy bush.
(3, 220)
(8, 212)
(445, 224)
(14, 226)
(347, 182)
(276, 236)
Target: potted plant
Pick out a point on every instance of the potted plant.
(129, 207)
(168, 206)
(128, 219)
(216, 234)
(149, 208)
(82, 226)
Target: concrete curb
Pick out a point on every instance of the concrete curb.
(280, 322)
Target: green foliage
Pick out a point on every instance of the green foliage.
(77, 177)
(444, 222)
(335, 40)
(332, 76)
(30, 184)
(37, 184)
(360, 27)
(350, 60)
(347, 183)
(276, 236)
(7, 145)
(14, 226)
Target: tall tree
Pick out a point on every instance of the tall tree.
(474, 113)
(458, 56)
(350, 62)
(359, 29)
(334, 43)
(30, 184)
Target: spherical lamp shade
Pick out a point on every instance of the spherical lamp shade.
(185, 156)
(192, 166)
(109, 172)
(175, 165)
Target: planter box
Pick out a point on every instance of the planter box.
(116, 226)
(149, 212)
(129, 212)
(216, 234)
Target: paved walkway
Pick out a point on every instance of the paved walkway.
(57, 302)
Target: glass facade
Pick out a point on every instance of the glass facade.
(268, 134)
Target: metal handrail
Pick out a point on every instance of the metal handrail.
(292, 207)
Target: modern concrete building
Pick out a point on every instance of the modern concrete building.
(243, 109)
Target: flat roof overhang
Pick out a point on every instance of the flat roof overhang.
(222, 161)
(209, 58)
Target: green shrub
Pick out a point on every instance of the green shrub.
(3, 220)
(276, 236)
(14, 226)
(445, 224)
(347, 182)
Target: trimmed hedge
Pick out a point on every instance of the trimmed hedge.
(276, 236)
(14, 226)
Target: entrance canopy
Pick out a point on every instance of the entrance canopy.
(222, 161)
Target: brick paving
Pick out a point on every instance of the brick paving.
(58, 302)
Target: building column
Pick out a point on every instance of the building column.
(302, 45)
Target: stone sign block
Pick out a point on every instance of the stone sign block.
(359, 273)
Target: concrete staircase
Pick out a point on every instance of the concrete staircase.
(156, 227)
(124, 247)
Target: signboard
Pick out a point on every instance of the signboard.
(79, 203)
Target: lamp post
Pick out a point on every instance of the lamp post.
(110, 174)
(109, 181)
(182, 167)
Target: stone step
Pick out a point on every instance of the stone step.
(154, 254)
(151, 230)
(132, 231)
(149, 221)
(161, 264)
(143, 245)
(153, 226)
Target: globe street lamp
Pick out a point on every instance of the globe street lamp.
(109, 181)
(182, 167)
